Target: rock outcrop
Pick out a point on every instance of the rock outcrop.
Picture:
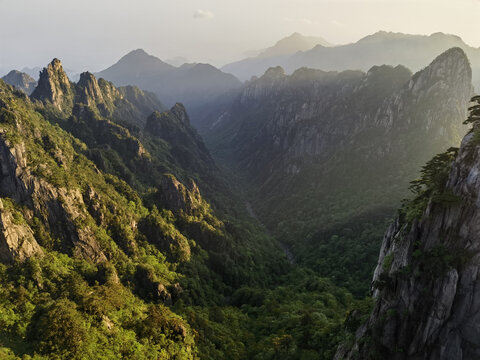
(129, 105)
(60, 208)
(176, 197)
(16, 237)
(89, 91)
(54, 87)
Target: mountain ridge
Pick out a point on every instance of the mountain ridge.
(380, 48)
(312, 135)
(191, 84)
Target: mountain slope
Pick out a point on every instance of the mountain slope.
(412, 51)
(82, 219)
(191, 84)
(319, 150)
(93, 267)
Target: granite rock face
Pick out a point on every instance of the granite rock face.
(429, 303)
(129, 104)
(60, 208)
(175, 196)
(16, 238)
(315, 114)
(54, 86)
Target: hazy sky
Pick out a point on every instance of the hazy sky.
(93, 34)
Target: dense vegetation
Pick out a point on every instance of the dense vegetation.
(136, 263)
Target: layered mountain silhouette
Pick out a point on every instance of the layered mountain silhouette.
(191, 84)
(381, 48)
(274, 55)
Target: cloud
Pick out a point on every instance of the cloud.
(203, 14)
(300, 20)
(338, 23)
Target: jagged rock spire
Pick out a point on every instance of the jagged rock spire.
(54, 87)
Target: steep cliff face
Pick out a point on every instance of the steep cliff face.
(16, 237)
(426, 281)
(23, 179)
(176, 197)
(89, 91)
(312, 114)
(54, 87)
(20, 81)
(129, 105)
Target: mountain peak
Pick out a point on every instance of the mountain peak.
(452, 67)
(90, 91)
(133, 66)
(441, 35)
(54, 86)
(383, 35)
(137, 53)
(452, 53)
(294, 35)
(273, 73)
(157, 121)
(56, 64)
(181, 113)
(21, 81)
(86, 77)
(293, 43)
(140, 57)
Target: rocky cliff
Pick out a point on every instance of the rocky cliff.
(17, 241)
(425, 284)
(54, 87)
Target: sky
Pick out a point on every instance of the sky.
(94, 34)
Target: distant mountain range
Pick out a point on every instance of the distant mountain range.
(292, 44)
(191, 84)
(269, 57)
(381, 48)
